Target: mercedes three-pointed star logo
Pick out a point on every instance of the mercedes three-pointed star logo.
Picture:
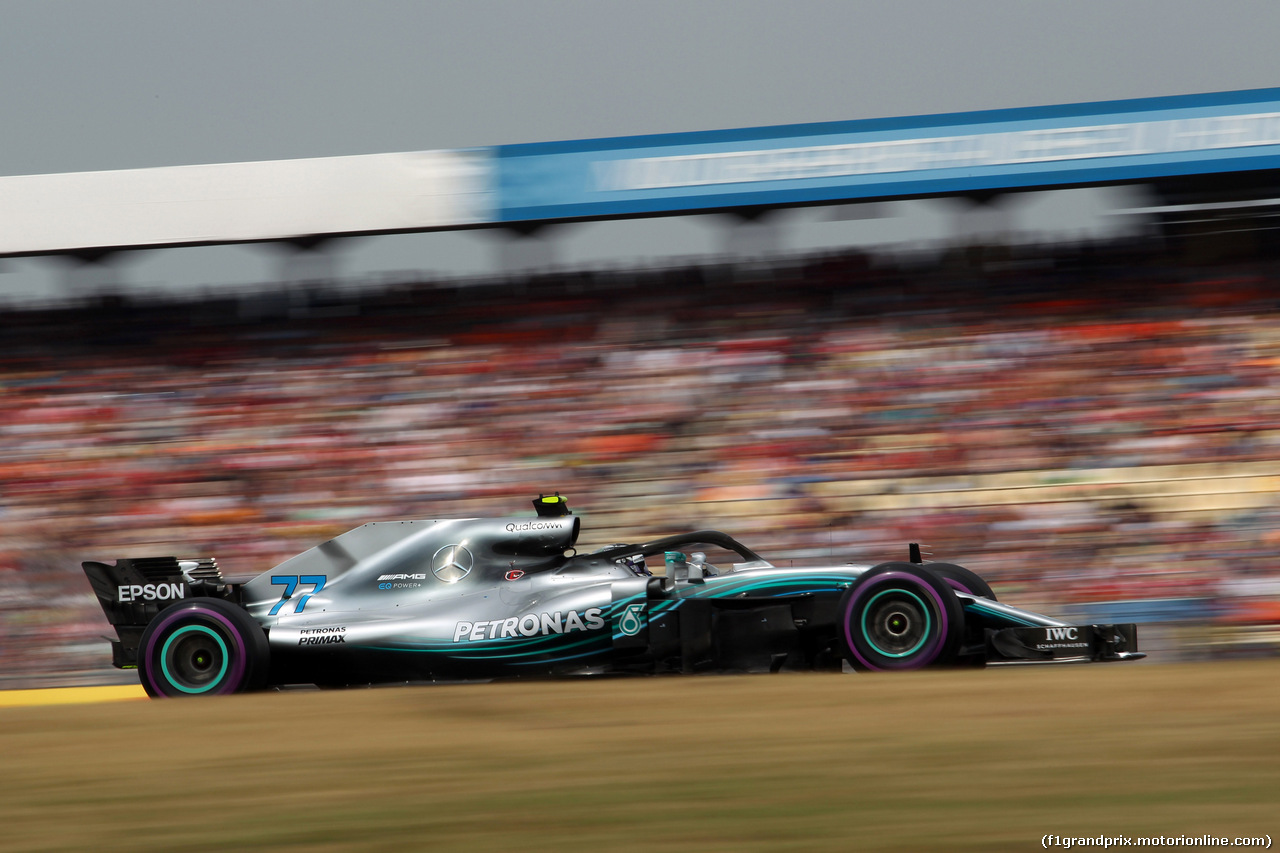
(452, 563)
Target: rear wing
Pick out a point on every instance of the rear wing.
(132, 591)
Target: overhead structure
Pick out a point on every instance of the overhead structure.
(956, 154)
(287, 200)
(1149, 140)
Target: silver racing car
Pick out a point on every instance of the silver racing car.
(475, 598)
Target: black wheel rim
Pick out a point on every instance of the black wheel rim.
(896, 623)
(194, 659)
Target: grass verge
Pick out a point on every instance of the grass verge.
(976, 760)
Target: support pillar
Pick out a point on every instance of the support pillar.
(525, 247)
(751, 232)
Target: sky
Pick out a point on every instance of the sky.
(119, 84)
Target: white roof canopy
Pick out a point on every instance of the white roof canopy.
(243, 202)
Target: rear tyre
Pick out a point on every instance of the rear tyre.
(205, 646)
(900, 616)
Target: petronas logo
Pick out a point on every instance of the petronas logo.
(632, 620)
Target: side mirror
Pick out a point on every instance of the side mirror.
(679, 568)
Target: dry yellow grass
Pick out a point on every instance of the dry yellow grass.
(71, 695)
(979, 760)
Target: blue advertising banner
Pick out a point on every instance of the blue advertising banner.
(877, 158)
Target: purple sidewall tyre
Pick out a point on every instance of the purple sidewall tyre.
(926, 596)
(221, 637)
(236, 660)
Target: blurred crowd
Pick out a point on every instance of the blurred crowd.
(794, 403)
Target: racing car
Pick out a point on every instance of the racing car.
(484, 598)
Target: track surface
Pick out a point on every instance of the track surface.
(976, 760)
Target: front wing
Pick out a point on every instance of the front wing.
(1115, 642)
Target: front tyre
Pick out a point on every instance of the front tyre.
(900, 616)
(958, 577)
(204, 646)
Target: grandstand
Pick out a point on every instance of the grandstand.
(1066, 427)
(1063, 419)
